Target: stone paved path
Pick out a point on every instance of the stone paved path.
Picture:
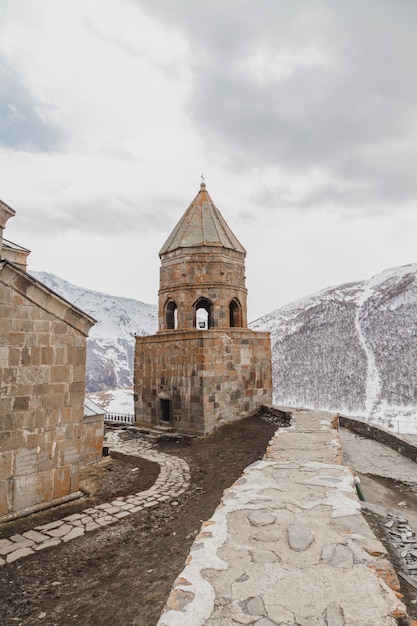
(173, 480)
(288, 545)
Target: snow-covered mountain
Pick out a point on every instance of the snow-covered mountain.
(110, 345)
(350, 348)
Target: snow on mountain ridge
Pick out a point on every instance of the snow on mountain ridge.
(117, 317)
(110, 344)
(350, 348)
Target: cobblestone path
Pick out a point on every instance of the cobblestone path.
(173, 480)
(288, 544)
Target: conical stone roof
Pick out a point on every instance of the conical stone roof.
(202, 225)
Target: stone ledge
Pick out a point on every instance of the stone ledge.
(380, 434)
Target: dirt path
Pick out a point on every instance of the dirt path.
(122, 574)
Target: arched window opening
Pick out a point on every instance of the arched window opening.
(203, 314)
(171, 315)
(235, 314)
(202, 319)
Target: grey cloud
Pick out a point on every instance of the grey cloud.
(114, 216)
(20, 125)
(225, 29)
(353, 116)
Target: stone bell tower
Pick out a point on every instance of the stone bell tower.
(204, 366)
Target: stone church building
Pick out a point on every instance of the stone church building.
(44, 436)
(204, 366)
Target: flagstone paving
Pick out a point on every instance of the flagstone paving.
(288, 545)
(173, 480)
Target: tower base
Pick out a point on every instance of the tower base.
(194, 380)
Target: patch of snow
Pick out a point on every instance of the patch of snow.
(373, 380)
(350, 349)
(111, 341)
(114, 400)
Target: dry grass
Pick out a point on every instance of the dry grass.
(91, 476)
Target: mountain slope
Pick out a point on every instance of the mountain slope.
(110, 345)
(350, 348)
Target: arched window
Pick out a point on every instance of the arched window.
(203, 314)
(235, 313)
(171, 318)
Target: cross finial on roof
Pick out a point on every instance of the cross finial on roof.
(203, 183)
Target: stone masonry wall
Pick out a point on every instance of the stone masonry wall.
(42, 373)
(92, 439)
(218, 275)
(208, 377)
(373, 431)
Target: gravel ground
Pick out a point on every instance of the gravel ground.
(122, 574)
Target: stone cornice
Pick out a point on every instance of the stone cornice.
(37, 293)
(5, 213)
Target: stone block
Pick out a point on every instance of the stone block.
(77, 387)
(47, 355)
(41, 389)
(75, 478)
(44, 338)
(4, 497)
(51, 420)
(16, 338)
(50, 543)
(61, 353)
(78, 372)
(40, 419)
(4, 356)
(13, 357)
(60, 328)
(35, 356)
(34, 440)
(52, 401)
(34, 536)
(385, 570)
(61, 481)
(69, 431)
(21, 403)
(11, 441)
(32, 375)
(66, 415)
(43, 327)
(59, 374)
(6, 465)
(74, 533)
(60, 388)
(18, 554)
(72, 451)
(7, 423)
(76, 401)
(6, 404)
(31, 490)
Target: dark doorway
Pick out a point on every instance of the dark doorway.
(165, 406)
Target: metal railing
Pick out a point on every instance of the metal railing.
(403, 427)
(119, 418)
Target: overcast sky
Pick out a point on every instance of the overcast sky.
(302, 116)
